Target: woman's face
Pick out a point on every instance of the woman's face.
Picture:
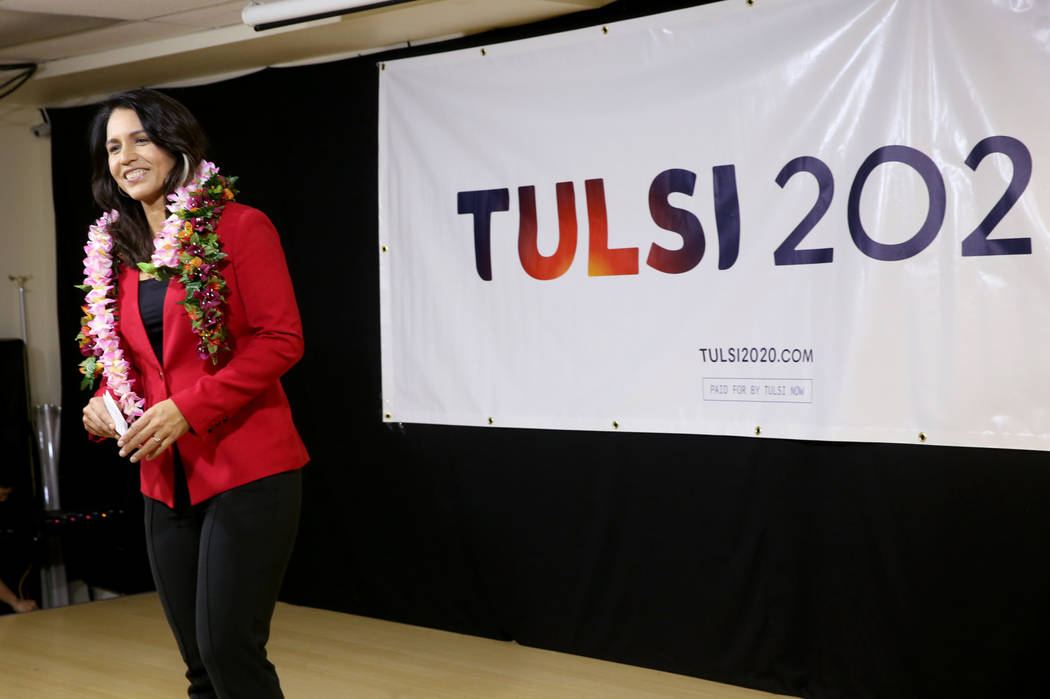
(137, 164)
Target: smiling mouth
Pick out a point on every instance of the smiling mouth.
(135, 175)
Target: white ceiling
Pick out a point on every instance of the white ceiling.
(89, 48)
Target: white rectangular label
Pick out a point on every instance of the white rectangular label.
(759, 390)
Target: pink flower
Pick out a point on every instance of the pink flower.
(182, 198)
(98, 293)
(206, 170)
(99, 308)
(100, 324)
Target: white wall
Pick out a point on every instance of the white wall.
(27, 247)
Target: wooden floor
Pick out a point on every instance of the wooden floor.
(122, 649)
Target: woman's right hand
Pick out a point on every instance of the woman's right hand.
(97, 420)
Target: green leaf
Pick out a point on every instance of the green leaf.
(88, 365)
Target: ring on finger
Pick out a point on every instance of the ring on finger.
(157, 439)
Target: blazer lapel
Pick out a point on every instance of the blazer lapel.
(173, 315)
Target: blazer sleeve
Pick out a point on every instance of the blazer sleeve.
(274, 340)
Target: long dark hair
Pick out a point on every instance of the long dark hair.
(171, 127)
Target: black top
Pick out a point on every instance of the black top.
(151, 307)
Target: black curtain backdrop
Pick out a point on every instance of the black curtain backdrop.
(816, 569)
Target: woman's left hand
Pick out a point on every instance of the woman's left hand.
(155, 431)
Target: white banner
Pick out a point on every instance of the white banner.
(816, 219)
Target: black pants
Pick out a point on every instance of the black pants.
(218, 567)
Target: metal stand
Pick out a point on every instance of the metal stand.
(54, 585)
(48, 420)
(20, 282)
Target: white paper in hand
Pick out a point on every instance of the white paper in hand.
(114, 412)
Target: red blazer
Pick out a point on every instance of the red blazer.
(241, 425)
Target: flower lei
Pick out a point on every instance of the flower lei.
(186, 246)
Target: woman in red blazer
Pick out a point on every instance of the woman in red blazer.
(210, 424)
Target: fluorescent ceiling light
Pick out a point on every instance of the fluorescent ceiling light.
(283, 12)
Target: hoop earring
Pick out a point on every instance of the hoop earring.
(185, 169)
